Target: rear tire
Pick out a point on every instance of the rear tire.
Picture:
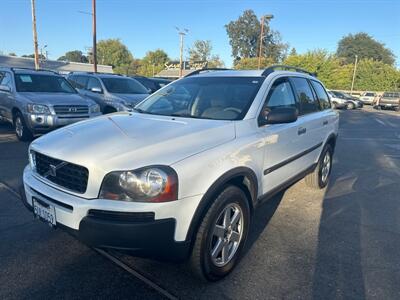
(22, 131)
(319, 178)
(221, 236)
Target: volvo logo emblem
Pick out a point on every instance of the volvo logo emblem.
(72, 109)
(53, 169)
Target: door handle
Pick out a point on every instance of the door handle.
(301, 130)
(325, 123)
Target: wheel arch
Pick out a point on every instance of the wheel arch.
(242, 177)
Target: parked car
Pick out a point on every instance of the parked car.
(368, 98)
(153, 84)
(351, 102)
(37, 102)
(338, 103)
(389, 100)
(180, 177)
(112, 92)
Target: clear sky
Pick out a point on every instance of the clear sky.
(147, 25)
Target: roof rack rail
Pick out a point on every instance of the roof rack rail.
(196, 72)
(274, 68)
(32, 69)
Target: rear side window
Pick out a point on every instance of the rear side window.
(308, 104)
(323, 97)
(280, 95)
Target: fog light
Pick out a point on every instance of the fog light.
(39, 119)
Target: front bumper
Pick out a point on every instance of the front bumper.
(43, 123)
(155, 230)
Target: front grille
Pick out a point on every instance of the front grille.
(64, 110)
(70, 176)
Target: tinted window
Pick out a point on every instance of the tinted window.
(124, 86)
(93, 83)
(305, 95)
(42, 84)
(219, 98)
(281, 95)
(147, 83)
(5, 79)
(369, 95)
(323, 97)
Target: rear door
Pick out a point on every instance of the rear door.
(312, 130)
(284, 144)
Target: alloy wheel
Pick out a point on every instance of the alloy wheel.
(19, 127)
(326, 167)
(227, 235)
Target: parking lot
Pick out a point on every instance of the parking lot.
(342, 242)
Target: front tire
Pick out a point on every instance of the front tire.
(221, 235)
(350, 106)
(22, 131)
(319, 178)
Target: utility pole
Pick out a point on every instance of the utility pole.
(269, 18)
(35, 40)
(354, 74)
(181, 33)
(94, 36)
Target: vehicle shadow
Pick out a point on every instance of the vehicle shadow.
(358, 238)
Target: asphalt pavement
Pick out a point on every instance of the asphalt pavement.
(342, 242)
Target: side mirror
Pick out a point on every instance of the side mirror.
(5, 88)
(278, 115)
(96, 90)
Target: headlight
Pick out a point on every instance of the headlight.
(38, 109)
(150, 184)
(94, 109)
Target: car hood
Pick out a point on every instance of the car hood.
(131, 98)
(126, 141)
(56, 98)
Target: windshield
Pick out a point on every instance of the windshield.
(218, 98)
(391, 95)
(124, 86)
(39, 83)
(369, 95)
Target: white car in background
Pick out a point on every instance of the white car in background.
(368, 97)
(337, 103)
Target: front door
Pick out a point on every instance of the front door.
(284, 143)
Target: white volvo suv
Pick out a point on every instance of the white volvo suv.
(180, 177)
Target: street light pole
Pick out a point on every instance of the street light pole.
(268, 17)
(354, 74)
(94, 50)
(35, 40)
(181, 33)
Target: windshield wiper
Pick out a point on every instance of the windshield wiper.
(188, 116)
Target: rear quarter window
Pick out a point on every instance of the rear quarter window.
(321, 94)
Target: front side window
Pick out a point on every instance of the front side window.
(308, 104)
(93, 83)
(124, 86)
(218, 98)
(280, 95)
(38, 83)
(323, 97)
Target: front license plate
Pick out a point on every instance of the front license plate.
(46, 214)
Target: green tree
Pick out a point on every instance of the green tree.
(41, 56)
(244, 37)
(293, 52)
(376, 76)
(365, 47)
(74, 56)
(12, 54)
(201, 51)
(153, 62)
(252, 63)
(114, 53)
(328, 67)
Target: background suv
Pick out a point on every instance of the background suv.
(389, 100)
(40, 101)
(112, 92)
(181, 176)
